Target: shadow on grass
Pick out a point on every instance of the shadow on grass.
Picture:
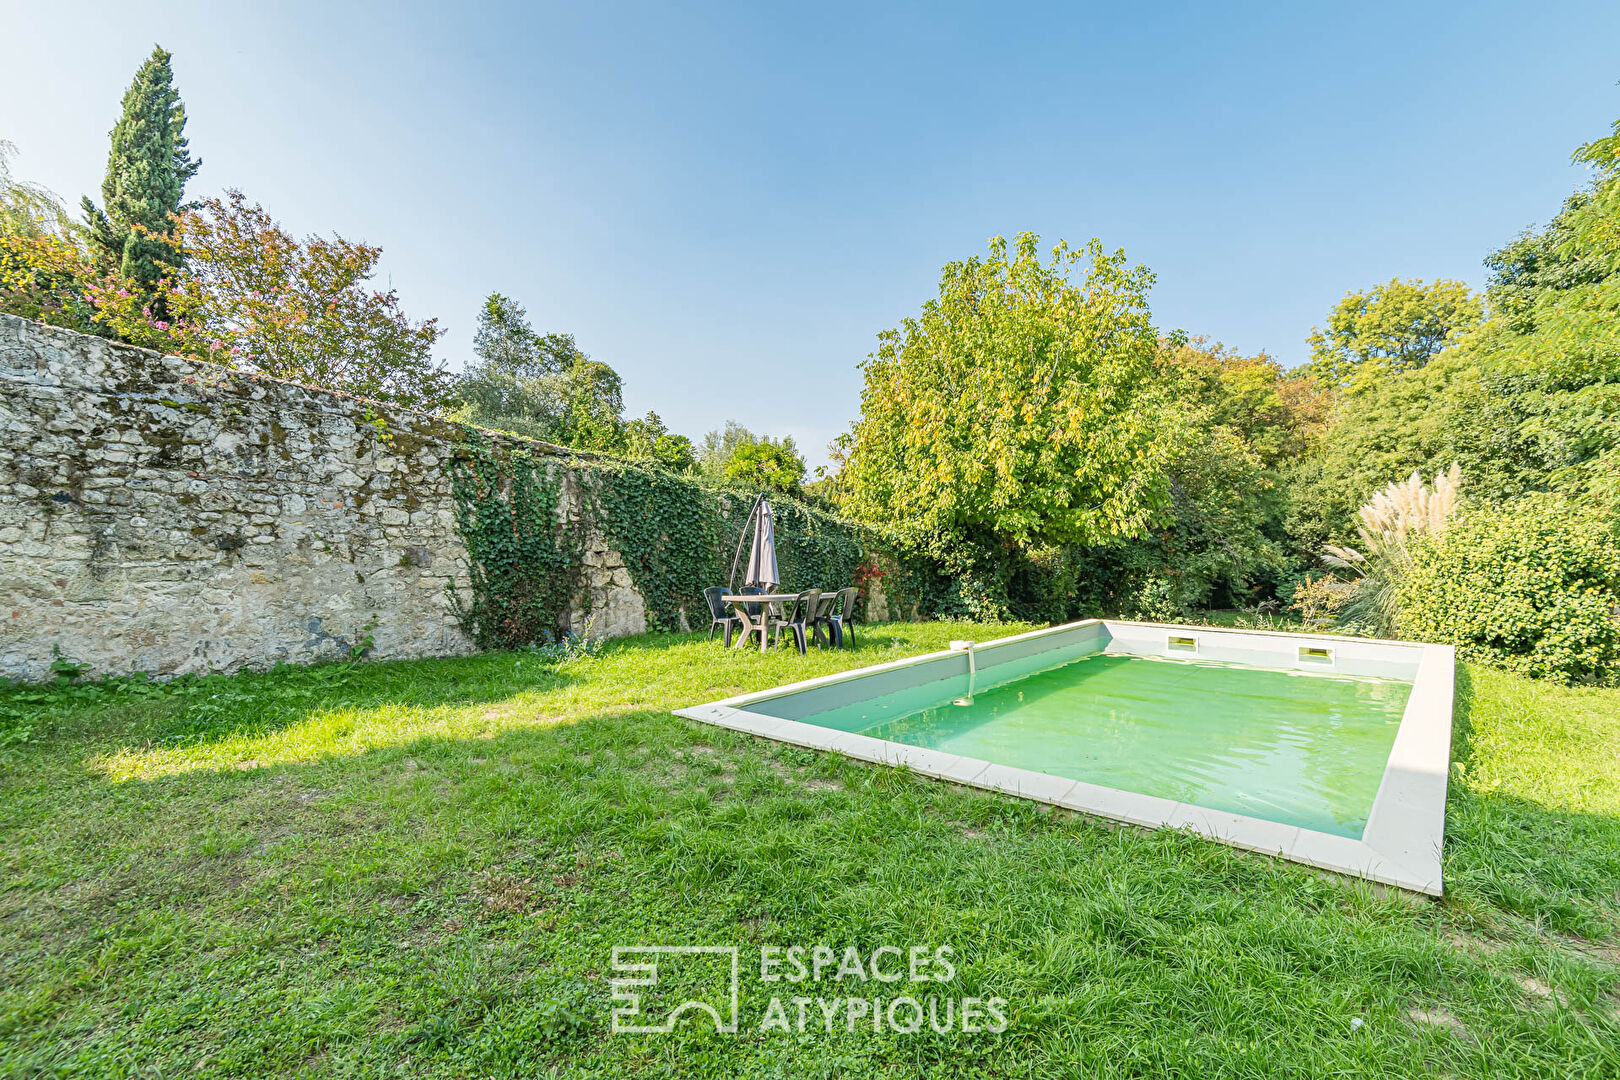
(1557, 867)
(1552, 865)
(1462, 716)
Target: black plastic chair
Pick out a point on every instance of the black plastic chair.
(717, 613)
(823, 623)
(796, 620)
(840, 616)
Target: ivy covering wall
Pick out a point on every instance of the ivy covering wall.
(666, 529)
(524, 559)
(524, 513)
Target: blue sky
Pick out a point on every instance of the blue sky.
(728, 202)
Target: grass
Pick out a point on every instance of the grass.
(421, 869)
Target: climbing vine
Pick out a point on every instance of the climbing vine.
(524, 560)
(677, 536)
(666, 529)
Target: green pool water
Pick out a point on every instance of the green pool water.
(1300, 748)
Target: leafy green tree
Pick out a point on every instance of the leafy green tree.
(648, 439)
(505, 342)
(1550, 367)
(43, 278)
(495, 399)
(735, 453)
(593, 407)
(1528, 402)
(254, 297)
(1242, 419)
(767, 463)
(1540, 261)
(1017, 413)
(717, 447)
(1380, 429)
(1395, 327)
(544, 386)
(1276, 415)
(147, 169)
(519, 382)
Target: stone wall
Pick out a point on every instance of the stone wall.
(163, 515)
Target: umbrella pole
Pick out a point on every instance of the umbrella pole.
(732, 580)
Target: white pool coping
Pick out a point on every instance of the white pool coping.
(1405, 830)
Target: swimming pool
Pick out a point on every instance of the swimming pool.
(1324, 750)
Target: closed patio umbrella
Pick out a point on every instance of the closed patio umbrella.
(762, 554)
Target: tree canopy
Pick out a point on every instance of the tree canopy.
(1017, 410)
(1527, 402)
(767, 463)
(520, 379)
(1391, 328)
(253, 296)
(28, 209)
(1029, 443)
(506, 344)
(42, 260)
(544, 386)
(733, 452)
(647, 439)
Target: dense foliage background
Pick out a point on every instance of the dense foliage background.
(1050, 456)
(1030, 444)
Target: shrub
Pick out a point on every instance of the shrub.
(43, 278)
(1391, 522)
(1530, 587)
(1320, 600)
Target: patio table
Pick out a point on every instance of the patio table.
(758, 623)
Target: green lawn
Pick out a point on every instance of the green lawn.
(421, 869)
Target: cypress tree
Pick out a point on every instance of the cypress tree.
(147, 169)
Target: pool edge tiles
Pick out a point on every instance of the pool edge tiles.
(1400, 844)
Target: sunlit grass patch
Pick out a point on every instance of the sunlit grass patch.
(325, 733)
